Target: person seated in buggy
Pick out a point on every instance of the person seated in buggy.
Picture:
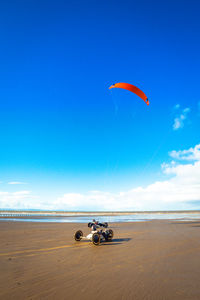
(95, 225)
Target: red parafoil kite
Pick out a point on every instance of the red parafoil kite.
(131, 88)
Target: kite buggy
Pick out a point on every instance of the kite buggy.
(99, 232)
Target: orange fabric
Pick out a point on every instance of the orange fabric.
(131, 88)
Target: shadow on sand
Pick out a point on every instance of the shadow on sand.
(115, 242)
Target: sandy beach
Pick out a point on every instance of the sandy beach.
(145, 260)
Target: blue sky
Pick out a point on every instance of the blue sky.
(64, 134)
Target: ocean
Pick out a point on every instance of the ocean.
(85, 217)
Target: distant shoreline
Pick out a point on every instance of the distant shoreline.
(94, 213)
(85, 217)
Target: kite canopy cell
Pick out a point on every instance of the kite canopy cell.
(131, 88)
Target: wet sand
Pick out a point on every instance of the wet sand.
(145, 260)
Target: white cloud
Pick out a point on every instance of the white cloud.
(177, 106)
(181, 191)
(16, 182)
(15, 200)
(190, 154)
(179, 120)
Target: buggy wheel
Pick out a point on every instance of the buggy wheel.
(109, 235)
(96, 239)
(78, 235)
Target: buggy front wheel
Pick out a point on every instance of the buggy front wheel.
(78, 235)
(96, 239)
